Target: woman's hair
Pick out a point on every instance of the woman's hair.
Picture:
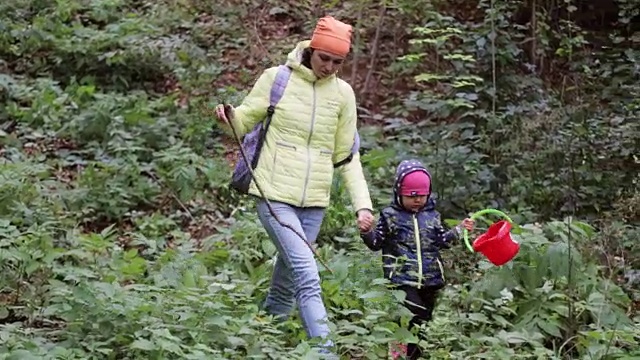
(306, 57)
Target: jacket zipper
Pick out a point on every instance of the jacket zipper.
(393, 269)
(416, 233)
(441, 269)
(313, 122)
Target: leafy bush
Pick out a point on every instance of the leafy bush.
(120, 239)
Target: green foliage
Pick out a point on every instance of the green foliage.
(526, 134)
(120, 239)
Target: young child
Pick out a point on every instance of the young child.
(410, 234)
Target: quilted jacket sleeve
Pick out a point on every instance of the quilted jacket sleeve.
(351, 172)
(356, 184)
(377, 238)
(446, 237)
(254, 106)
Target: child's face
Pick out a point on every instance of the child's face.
(414, 203)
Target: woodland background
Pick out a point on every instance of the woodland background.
(120, 239)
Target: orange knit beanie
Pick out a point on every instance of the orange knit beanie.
(332, 36)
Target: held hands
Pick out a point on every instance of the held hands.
(365, 220)
(224, 113)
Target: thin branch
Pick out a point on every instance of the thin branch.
(271, 211)
(356, 51)
(172, 193)
(256, 33)
(493, 58)
(534, 32)
(376, 46)
(244, 156)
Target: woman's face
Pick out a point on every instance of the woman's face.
(325, 64)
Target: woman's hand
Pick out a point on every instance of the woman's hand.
(365, 220)
(224, 113)
(468, 224)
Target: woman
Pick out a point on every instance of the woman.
(312, 129)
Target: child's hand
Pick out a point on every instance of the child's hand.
(468, 224)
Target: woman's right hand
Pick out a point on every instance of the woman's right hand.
(224, 113)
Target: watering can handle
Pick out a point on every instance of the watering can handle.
(476, 215)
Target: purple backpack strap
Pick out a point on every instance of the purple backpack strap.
(277, 90)
(253, 141)
(354, 149)
(356, 143)
(279, 84)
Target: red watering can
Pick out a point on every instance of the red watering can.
(496, 244)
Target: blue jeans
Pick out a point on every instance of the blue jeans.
(295, 276)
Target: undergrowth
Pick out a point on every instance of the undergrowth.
(120, 239)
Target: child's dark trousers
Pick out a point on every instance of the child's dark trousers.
(421, 303)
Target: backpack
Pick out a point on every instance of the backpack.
(254, 140)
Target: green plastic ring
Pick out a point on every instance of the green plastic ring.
(477, 214)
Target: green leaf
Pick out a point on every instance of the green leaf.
(549, 328)
(143, 344)
(373, 295)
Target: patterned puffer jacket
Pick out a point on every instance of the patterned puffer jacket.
(411, 241)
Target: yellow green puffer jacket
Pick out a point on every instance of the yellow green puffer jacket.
(312, 128)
